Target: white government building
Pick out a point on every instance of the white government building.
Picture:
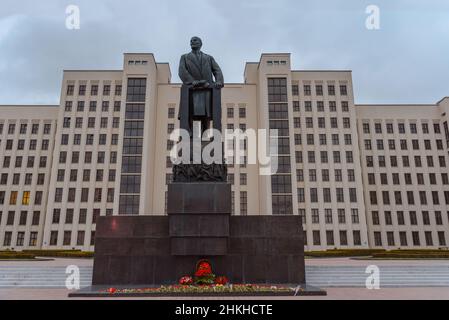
(361, 176)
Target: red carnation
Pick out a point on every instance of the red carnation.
(221, 280)
(186, 281)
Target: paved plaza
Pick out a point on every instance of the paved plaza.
(329, 272)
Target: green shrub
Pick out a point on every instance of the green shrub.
(61, 253)
(343, 253)
(413, 254)
(12, 255)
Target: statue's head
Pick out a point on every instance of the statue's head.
(196, 43)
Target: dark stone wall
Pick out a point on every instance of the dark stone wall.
(146, 250)
(136, 250)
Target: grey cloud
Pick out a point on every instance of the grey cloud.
(405, 61)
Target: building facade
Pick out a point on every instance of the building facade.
(361, 176)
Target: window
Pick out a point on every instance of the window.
(105, 106)
(296, 107)
(307, 90)
(20, 239)
(117, 106)
(70, 89)
(53, 238)
(415, 237)
(106, 90)
(316, 237)
(129, 204)
(136, 90)
(243, 203)
(36, 218)
(23, 218)
(10, 219)
(295, 90)
(26, 198)
(282, 204)
(377, 239)
(343, 90)
(13, 198)
(94, 90)
(80, 238)
(242, 112)
(67, 238)
(33, 239)
(118, 90)
(330, 238)
(366, 128)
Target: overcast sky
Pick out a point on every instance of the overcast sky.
(406, 61)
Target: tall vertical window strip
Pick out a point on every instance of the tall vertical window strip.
(136, 90)
(132, 146)
(278, 119)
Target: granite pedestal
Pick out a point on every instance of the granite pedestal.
(155, 250)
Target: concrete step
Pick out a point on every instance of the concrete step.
(321, 276)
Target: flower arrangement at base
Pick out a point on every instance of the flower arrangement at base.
(221, 281)
(203, 273)
(216, 288)
(186, 281)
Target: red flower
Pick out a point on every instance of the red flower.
(186, 281)
(112, 290)
(203, 269)
(221, 280)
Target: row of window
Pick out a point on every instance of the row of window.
(20, 239)
(91, 122)
(413, 218)
(26, 198)
(415, 236)
(83, 195)
(380, 144)
(82, 217)
(332, 106)
(408, 179)
(82, 88)
(24, 127)
(80, 106)
(406, 161)
(67, 238)
(89, 139)
(410, 197)
(325, 175)
(329, 216)
(330, 238)
(18, 162)
(31, 146)
(327, 195)
(319, 91)
(88, 155)
(413, 128)
(311, 158)
(335, 139)
(23, 218)
(321, 121)
(28, 180)
(86, 175)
